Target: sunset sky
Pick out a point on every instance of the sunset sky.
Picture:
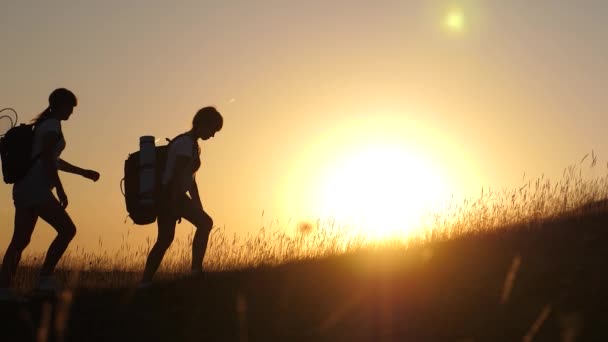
(330, 107)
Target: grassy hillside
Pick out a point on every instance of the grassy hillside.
(525, 264)
(545, 281)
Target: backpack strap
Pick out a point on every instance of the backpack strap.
(35, 158)
(194, 144)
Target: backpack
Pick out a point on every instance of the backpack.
(16, 150)
(143, 213)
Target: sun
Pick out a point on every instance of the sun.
(375, 176)
(454, 20)
(382, 189)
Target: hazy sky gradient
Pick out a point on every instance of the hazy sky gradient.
(521, 89)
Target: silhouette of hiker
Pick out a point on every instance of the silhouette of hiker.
(183, 160)
(33, 197)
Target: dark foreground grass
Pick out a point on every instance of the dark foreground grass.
(545, 282)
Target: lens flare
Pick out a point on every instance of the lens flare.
(454, 20)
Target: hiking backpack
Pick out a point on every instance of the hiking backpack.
(16, 150)
(144, 210)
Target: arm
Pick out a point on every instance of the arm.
(180, 158)
(194, 194)
(64, 166)
(173, 186)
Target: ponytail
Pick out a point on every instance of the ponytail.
(42, 116)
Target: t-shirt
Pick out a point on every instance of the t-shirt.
(182, 146)
(36, 180)
(49, 125)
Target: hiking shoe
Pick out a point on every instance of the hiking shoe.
(144, 285)
(198, 274)
(8, 295)
(48, 284)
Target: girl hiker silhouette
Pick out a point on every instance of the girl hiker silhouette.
(33, 197)
(183, 161)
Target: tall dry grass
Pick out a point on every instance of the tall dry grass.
(534, 201)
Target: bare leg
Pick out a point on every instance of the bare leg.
(166, 233)
(55, 215)
(25, 221)
(203, 223)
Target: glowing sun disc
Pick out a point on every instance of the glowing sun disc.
(381, 189)
(454, 20)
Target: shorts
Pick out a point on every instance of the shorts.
(31, 197)
(33, 189)
(168, 209)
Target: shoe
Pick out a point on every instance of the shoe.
(48, 284)
(8, 295)
(144, 285)
(199, 276)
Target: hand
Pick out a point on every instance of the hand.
(174, 206)
(63, 198)
(92, 175)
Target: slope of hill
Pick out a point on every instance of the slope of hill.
(541, 282)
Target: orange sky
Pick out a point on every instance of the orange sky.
(514, 87)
